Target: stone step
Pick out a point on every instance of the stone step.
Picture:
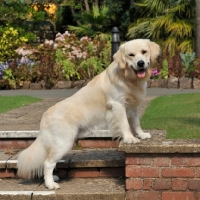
(71, 189)
(77, 163)
(23, 139)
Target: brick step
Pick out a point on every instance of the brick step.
(23, 139)
(76, 189)
(77, 164)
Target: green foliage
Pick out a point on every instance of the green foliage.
(164, 71)
(8, 75)
(82, 51)
(10, 40)
(169, 23)
(92, 66)
(69, 68)
(13, 12)
(93, 23)
(187, 60)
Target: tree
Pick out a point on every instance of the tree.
(170, 23)
(197, 13)
(93, 23)
(117, 15)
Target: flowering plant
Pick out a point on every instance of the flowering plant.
(10, 39)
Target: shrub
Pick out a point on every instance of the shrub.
(69, 69)
(10, 39)
(92, 66)
(66, 58)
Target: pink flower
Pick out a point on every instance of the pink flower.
(155, 72)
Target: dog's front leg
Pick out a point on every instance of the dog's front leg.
(135, 124)
(118, 123)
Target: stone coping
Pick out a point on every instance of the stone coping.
(74, 159)
(35, 133)
(159, 144)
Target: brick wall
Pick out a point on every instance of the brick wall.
(163, 176)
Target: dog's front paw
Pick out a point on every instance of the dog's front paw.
(52, 185)
(144, 135)
(131, 139)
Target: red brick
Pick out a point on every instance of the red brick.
(146, 161)
(13, 144)
(112, 172)
(178, 196)
(194, 185)
(98, 143)
(147, 184)
(161, 184)
(178, 172)
(7, 173)
(29, 142)
(135, 184)
(194, 161)
(178, 184)
(162, 161)
(145, 172)
(179, 160)
(133, 159)
(83, 173)
(142, 195)
(197, 172)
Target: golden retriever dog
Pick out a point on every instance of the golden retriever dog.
(110, 100)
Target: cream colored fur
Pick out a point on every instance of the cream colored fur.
(110, 100)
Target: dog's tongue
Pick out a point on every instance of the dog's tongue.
(141, 73)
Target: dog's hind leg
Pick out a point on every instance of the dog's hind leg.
(62, 145)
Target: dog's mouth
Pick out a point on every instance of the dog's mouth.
(140, 73)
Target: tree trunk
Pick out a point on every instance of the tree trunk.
(97, 3)
(73, 13)
(197, 14)
(87, 5)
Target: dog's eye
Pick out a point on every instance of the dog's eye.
(131, 54)
(144, 51)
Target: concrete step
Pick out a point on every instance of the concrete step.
(71, 189)
(93, 163)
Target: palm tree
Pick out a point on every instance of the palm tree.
(94, 23)
(168, 22)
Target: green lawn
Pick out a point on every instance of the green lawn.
(179, 115)
(11, 102)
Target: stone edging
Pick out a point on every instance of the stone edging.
(35, 133)
(174, 82)
(159, 144)
(171, 82)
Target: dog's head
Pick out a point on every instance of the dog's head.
(136, 57)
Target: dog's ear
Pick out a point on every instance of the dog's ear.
(119, 56)
(154, 50)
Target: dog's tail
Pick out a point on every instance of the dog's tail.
(31, 160)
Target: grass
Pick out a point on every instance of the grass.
(11, 102)
(179, 115)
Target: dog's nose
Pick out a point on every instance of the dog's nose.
(140, 63)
